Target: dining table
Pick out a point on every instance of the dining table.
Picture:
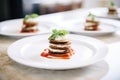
(106, 69)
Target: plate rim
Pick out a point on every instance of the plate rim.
(53, 68)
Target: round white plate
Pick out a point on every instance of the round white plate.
(12, 28)
(103, 13)
(27, 51)
(107, 26)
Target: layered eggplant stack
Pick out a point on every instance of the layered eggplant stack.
(112, 8)
(30, 23)
(59, 46)
(91, 23)
(112, 11)
(29, 27)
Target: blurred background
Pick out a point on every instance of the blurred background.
(12, 9)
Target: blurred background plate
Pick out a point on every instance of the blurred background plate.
(107, 26)
(12, 28)
(103, 13)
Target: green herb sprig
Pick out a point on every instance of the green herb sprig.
(56, 33)
(93, 16)
(112, 3)
(31, 16)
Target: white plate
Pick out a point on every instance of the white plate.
(103, 12)
(12, 28)
(27, 51)
(103, 29)
(107, 26)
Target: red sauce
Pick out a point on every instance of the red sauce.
(46, 54)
